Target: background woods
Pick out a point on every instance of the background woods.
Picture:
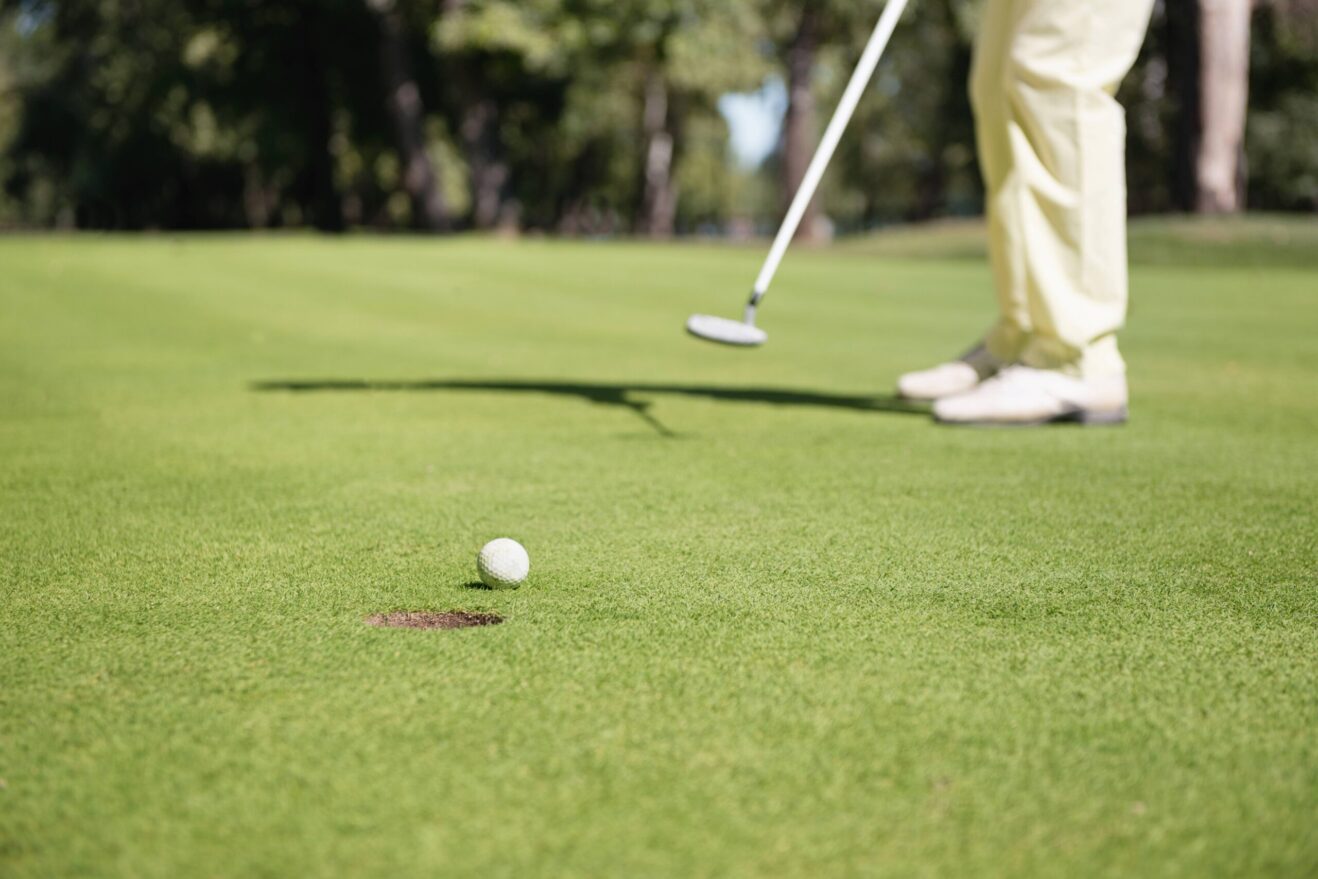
(586, 116)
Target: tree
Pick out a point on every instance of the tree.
(800, 125)
(671, 47)
(505, 66)
(1282, 135)
(582, 116)
(910, 151)
(408, 111)
(1219, 159)
(803, 30)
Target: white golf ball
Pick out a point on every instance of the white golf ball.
(503, 564)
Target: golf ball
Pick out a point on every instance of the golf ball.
(503, 564)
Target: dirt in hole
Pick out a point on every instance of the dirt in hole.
(428, 619)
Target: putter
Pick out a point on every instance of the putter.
(744, 333)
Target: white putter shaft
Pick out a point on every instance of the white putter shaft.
(744, 332)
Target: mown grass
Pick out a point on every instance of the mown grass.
(777, 624)
(1260, 241)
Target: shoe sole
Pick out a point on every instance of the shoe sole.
(1082, 417)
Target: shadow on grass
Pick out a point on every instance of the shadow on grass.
(618, 395)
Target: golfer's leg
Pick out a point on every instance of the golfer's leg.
(1066, 193)
(1006, 340)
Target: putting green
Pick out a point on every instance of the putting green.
(777, 623)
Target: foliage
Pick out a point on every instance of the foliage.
(1282, 139)
(912, 156)
(230, 113)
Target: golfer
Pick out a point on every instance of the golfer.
(1051, 139)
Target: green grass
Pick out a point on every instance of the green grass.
(772, 629)
(1262, 241)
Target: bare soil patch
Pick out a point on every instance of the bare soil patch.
(427, 619)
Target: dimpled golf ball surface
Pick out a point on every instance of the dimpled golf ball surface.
(503, 564)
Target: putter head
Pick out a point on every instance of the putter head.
(726, 331)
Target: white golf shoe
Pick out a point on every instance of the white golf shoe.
(948, 379)
(1022, 396)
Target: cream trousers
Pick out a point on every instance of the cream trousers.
(1052, 142)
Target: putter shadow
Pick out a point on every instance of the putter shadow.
(603, 394)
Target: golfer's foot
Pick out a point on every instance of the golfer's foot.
(948, 379)
(1020, 395)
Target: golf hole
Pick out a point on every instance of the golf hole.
(425, 619)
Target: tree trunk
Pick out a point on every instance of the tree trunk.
(659, 202)
(322, 194)
(258, 199)
(1181, 31)
(949, 127)
(406, 110)
(1223, 100)
(488, 170)
(801, 123)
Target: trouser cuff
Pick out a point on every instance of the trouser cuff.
(1099, 359)
(1006, 341)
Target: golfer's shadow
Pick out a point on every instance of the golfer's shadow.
(618, 395)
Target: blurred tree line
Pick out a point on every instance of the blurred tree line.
(584, 116)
